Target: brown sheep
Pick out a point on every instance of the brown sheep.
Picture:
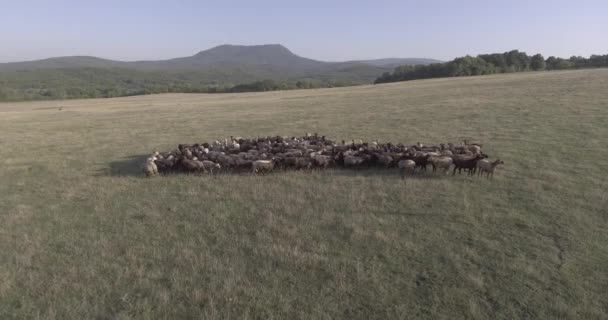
(466, 162)
(422, 160)
(191, 165)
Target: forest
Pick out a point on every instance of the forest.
(483, 64)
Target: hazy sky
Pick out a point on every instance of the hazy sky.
(324, 30)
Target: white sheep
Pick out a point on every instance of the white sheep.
(149, 168)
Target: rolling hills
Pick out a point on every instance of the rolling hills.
(271, 55)
(218, 67)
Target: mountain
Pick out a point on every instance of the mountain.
(270, 55)
(222, 66)
(220, 56)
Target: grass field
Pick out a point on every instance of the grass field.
(84, 236)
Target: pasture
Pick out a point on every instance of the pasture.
(83, 235)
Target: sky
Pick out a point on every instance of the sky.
(323, 30)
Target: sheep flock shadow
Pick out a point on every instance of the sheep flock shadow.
(131, 166)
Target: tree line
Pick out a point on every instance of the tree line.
(80, 83)
(512, 61)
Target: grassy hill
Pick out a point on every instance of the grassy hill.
(219, 67)
(84, 235)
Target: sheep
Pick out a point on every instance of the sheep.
(407, 165)
(213, 155)
(475, 149)
(210, 165)
(353, 161)
(442, 163)
(165, 165)
(447, 153)
(295, 152)
(385, 160)
(466, 142)
(200, 164)
(181, 147)
(242, 164)
(322, 161)
(422, 160)
(190, 165)
(488, 167)
(188, 153)
(289, 161)
(149, 168)
(262, 165)
(303, 163)
(315, 151)
(465, 162)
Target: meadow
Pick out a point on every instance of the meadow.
(83, 235)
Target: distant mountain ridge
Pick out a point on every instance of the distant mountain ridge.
(210, 70)
(223, 55)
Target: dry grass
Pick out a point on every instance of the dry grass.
(83, 236)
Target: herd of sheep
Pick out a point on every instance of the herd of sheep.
(266, 154)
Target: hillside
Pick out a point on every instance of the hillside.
(222, 66)
(79, 223)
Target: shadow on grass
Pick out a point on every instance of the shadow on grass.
(382, 172)
(129, 166)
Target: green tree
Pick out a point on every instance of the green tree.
(537, 62)
(550, 63)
